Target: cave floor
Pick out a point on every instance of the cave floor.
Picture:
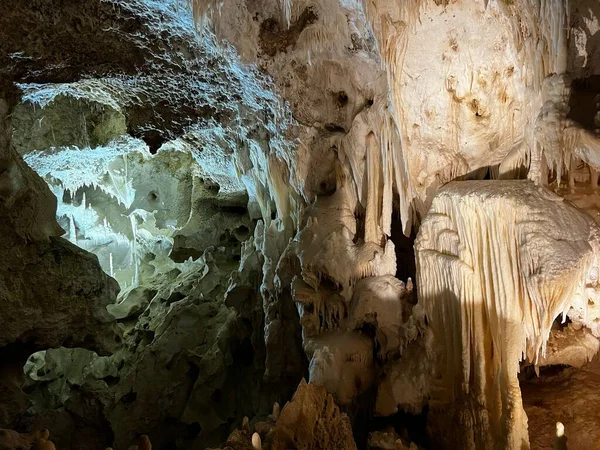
(570, 396)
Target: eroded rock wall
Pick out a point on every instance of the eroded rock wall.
(139, 150)
(53, 293)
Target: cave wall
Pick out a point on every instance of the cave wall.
(53, 293)
(458, 90)
(248, 199)
(137, 144)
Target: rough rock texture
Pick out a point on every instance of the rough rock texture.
(52, 293)
(192, 329)
(139, 152)
(310, 420)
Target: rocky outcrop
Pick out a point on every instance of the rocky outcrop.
(310, 420)
(52, 293)
(38, 440)
(139, 152)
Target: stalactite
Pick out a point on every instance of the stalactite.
(373, 172)
(134, 253)
(387, 200)
(72, 230)
(328, 35)
(203, 11)
(392, 38)
(286, 8)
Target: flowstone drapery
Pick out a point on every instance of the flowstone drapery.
(497, 263)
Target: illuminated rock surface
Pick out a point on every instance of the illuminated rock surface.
(252, 174)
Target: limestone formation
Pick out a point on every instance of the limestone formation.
(204, 202)
(493, 278)
(310, 420)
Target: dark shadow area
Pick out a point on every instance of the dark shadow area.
(410, 427)
(585, 95)
(562, 394)
(361, 416)
(405, 251)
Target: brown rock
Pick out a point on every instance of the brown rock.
(312, 420)
(37, 440)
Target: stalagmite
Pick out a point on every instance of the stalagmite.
(134, 245)
(256, 442)
(560, 442)
(276, 411)
(72, 230)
